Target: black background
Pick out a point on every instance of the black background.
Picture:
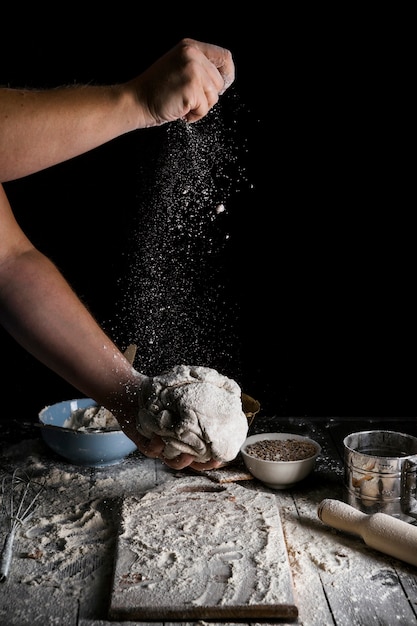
(320, 263)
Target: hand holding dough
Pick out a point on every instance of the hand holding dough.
(195, 410)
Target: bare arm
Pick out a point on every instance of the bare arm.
(40, 310)
(39, 129)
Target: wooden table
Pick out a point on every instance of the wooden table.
(337, 579)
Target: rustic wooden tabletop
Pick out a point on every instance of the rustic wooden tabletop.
(63, 557)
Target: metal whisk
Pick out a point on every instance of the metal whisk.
(18, 496)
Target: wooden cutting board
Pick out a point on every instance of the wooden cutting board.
(193, 549)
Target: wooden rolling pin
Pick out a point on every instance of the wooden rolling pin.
(379, 531)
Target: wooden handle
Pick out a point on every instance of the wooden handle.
(379, 530)
(130, 352)
(340, 515)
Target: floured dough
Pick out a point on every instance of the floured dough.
(195, 410)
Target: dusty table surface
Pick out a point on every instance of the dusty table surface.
(63, 558)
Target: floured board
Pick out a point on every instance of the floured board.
(193, 549)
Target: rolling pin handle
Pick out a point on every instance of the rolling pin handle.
(379, 531)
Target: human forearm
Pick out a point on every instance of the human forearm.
(42, 128)
(39, 129)
(39, 309)
(49, 321)
(68, 120)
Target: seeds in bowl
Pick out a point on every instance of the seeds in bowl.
(281, 449)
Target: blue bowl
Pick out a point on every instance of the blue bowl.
(91, 449)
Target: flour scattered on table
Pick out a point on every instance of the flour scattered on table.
(192, 545)
(68, 544)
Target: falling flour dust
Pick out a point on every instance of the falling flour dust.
(177, 303)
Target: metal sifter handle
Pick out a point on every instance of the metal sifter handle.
(409, 487)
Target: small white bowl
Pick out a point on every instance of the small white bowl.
(279, 474)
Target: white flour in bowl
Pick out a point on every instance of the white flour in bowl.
(96, 417)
